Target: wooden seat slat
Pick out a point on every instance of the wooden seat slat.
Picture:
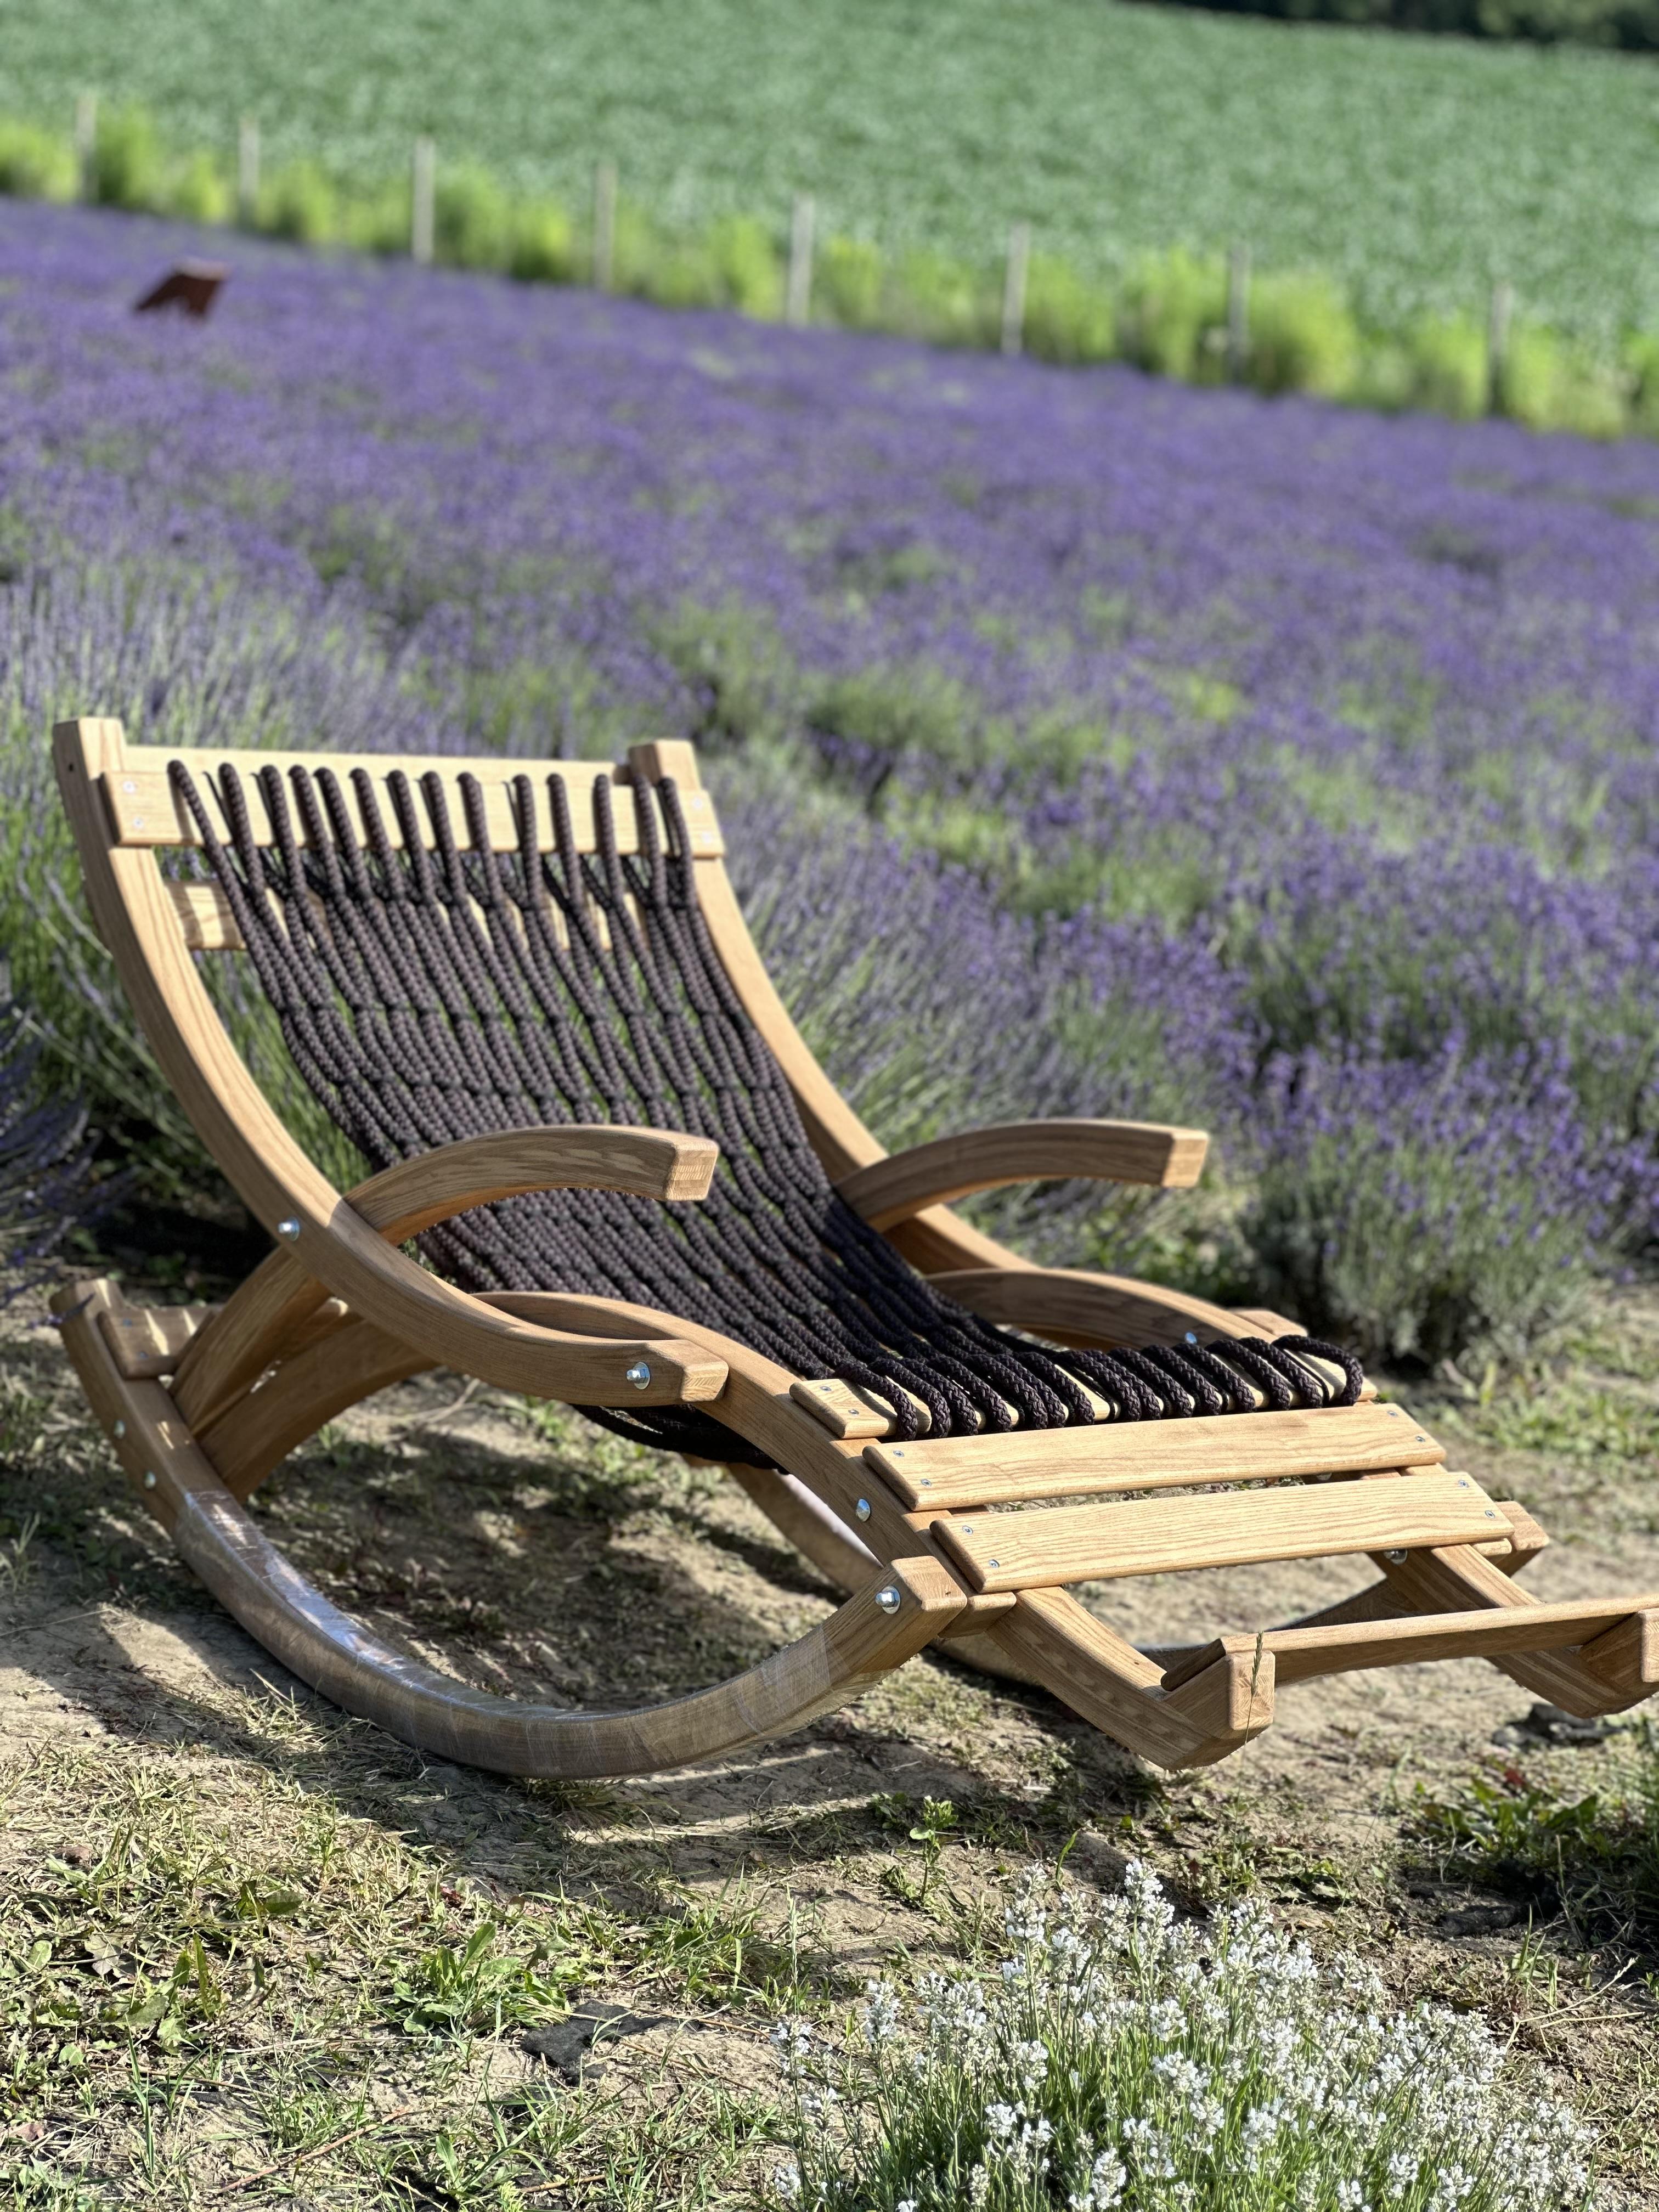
(946, 1473)
(1041, 1548)
(144, 811)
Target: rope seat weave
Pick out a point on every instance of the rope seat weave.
(429, 994)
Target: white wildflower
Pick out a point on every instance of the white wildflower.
(881, 2012)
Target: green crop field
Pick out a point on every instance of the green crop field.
(1417, 170)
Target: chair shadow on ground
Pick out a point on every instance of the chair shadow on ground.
(570, 1569)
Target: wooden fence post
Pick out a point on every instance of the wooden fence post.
(1014, 288)
(605, 225)
(247, 173)
(1498, 344)
(423, 176)
(86, 143)
(797, 299)
(1238, 314)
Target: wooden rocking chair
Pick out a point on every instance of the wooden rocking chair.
(530, 998)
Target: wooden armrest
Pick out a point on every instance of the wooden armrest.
(351, 1252)
(891, 1191)
(416, 1195)
(1074, 1306)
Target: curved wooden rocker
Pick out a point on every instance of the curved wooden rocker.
(920, 1474)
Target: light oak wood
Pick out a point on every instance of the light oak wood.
(1625, 1657)
(950, 1472)
(1458, 1579)
(839, 1407)
(1031, 1549)
(143, 810)
(1052, 1640)
(417, 1194)
(1073, 1307)
(205, 919)
(258, 1324)
(1302, 1655)
(146, 1341)
(902, 1607)
(905, 1183)
(1274, 1323)
(321, 1381)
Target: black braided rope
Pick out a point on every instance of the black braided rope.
(428, 992)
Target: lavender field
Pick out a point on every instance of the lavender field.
(1087, 743)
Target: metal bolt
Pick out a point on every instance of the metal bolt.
(965, 1528)
(1421, 1438)
(898, 1452)
(925, 1482)
(1394, 1558)
(137, 821)
(862, 1509)
(638, 1375)
(1392, 1413)
(889, 1599)
(993, 1562)
(289, 1230)
(128, 785)
(149, 1478)
(120, 1429)
(1490, 1515)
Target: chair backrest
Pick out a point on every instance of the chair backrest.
(138, 811)
(454, 949)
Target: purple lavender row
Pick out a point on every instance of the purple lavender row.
(1299, 764)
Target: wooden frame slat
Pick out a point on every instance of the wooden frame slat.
(1303, 1654)
(1055, 1545)
(945, 1472)
(143, 810)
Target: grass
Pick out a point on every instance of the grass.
(255, 1952)
(1590, 1854)
(1416, 170)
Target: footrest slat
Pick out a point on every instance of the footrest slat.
(1033, 1550)
(1302, 1654)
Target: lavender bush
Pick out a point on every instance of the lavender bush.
(1120, 2061)
(1087, 744)
(47, 1185)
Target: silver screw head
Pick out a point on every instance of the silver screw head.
(149, 1478)
(993, 1562)
(119, 1429)
(862, 1509)
(289, 1230)
(965, 1528)
(889, 1599)
(638, 1375)
(1394, 1558)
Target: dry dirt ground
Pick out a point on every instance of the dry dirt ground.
(252, 1951)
